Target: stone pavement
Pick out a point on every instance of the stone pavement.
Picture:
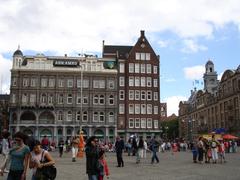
(171, 167)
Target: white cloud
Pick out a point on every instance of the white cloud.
(190, 46)
(220, 76)
(5, 65)
(170, 80)
(195, 72)
(173, 103)
(67, 26)
(163, 43)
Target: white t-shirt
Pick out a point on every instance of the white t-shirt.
(5, 147)
(37, 158)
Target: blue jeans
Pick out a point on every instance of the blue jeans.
(154, 156)
(92, 177)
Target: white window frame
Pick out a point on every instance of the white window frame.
(78, 116)
(101, 117)
(122, 68)
(95, 116)
(32, 98)
(111, 117)
(121, 81)
(131, 68)
(143, 56)
(137, 81)
(143, 95)
(25, 82)
(131, 109)
(14, 81)
(143, 81)
(143, 108)
(111, 84)
(143, 123)
(51, 82)
(131, 94)
(155, 110)
(137, 95)
(33, 82)
(155, 96)
(69, 99)
(131, 81)
(95, 84)
(149, 108)
(70, 83)
(143, 68)
(121, 94)
(131, 123)
(69, 116)
(137, 68)
(149, 82)
(149, 95)
(155, 82)
(111, 100)
(137, 109)
(155, 124)
(148, 56)
(50, 99)
(13, 99)
(155, 69)
(95, 99)
(44, 82)
(102, 84)
(60, 83)
(121, 109)
(137, 123)
(137, 56)
(101, 99)
(85, 114)
(149, 123)
(149, 68)
(60, 98)
(60, 116)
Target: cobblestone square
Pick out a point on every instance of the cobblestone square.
(171, 167)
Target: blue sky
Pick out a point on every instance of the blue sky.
(184, 33)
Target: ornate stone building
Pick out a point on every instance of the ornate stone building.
(138, 88)
(216, 106)
(59, 95)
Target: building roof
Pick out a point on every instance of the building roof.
(5, 97)
(122, 50)
(18, 53)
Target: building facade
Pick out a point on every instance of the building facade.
(4, 112)
(138, 88)
(163, 111)
(214, 107)
(57, 96)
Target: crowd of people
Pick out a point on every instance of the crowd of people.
(22, 153)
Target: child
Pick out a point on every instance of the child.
(221, 150)
(103, 167)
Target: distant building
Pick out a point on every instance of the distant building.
(163, 111)
(138, 88)
(215, 107)
(4, 111)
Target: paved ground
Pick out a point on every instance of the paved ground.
(171, 167)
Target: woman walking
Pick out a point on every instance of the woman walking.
(19, 158)
(200, 150)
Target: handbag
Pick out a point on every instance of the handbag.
(46, 172)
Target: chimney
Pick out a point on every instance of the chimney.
(142, 32)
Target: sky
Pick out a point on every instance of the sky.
(186, 34)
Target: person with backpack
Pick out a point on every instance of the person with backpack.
(154, 144)
(214, 149)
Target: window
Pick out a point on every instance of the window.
(131, 108)
(24, 98)
(143, 81)
(149, 68)
(149, 82)
(131, 94)
(143, 95)
(147, 56)
(155, 96)
(111, 100)
(60, 83)
(95, 117)
(155, 109)
(149, 95)
(131, 68)
(110, 84)
(69, 83)
(121, 81)
(143, 56)
(149, 109)
(102, 84)
(43, 82)
(85, 83)
(79, 99)
(14, 81)
(122, 67)
(33, 82)
(78, 116)
(85, 116)
(137, 95)
(137, 56)
(121, 109)
(137, 123)
(149, 123)
(111, 117)
(155, 83)
(44, 98)
(142, 68)
(69, 99)
(60, 115)
(143, 108)
(137, 108)
(101, 117)
(13, 98)
(101, 100)
(95, 84)
(51, 82)
(137, 81)
(95, 99)
(60, 99)
(25, 82)
(50, 99)
(156, 124)
(32, 98)
(155, 69)
(136, 68)
(69, 116)
(121, 95)
(85, 99)
(131, 123)
(143, 123)
(131, 81)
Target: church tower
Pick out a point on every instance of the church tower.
(17, 58)
(210, 78)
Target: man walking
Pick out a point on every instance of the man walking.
(154, 148)
(119, 146)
